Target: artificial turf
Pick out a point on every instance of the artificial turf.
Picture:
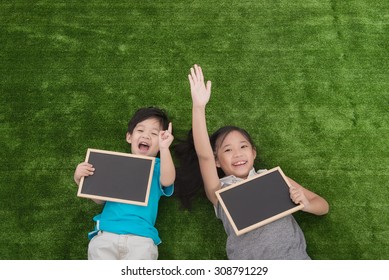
(307, 79)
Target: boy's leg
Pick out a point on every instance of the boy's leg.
(137, 248)
(104, 246)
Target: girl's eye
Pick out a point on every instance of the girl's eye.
(140, 130)
(155, 134)
(244, 146)
(227, 150)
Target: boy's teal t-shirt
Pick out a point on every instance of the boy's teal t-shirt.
(121, 218)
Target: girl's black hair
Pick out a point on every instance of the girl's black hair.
(188, 181)
(148, 113)
(188, 176)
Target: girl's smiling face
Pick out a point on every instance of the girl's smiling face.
(144, 139)
(235, 155)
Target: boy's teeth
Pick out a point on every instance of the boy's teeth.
(143, 146)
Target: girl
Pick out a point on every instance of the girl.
(231, 150)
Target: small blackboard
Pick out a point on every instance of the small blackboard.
(118, 177)
(257, 201)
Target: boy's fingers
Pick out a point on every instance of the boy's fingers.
(86, 173)
(163, 134)
(169, 129)
(87, 164)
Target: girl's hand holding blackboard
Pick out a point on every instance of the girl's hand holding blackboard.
(297, 196)
(312, 202)
(83, 169)
(166, 138)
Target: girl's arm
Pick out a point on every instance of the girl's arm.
(200, 97)
(168, 171)
(312, 202)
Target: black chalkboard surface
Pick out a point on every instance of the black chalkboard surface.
(119, 177)
(257, 201)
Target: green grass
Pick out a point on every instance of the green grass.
(307, 79)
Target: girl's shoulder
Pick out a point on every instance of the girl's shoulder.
(229, 180)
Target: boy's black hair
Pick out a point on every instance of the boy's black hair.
(148, 113)
(188, 176)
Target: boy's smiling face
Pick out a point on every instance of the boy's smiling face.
(144, 139)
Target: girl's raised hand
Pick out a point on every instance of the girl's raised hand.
(200, 91)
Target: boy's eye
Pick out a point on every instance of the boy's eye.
(227, 150)
(245, 146)
(154, 133)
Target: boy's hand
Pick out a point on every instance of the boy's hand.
(165, 138)
(84, 169)
(200, 91)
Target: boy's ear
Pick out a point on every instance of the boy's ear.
(128, 138)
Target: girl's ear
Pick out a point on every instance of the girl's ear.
(128, 138)
(217, 163)
(254, 153)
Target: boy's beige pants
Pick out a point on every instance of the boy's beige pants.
(111, 246)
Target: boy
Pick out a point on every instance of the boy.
(125, 231)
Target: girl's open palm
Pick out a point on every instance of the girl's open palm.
(200, 91)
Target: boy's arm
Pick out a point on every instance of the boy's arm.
(200, 97)
(312, 202)
(98, 201)
(168, 171)
(85, 169)
(82, 170)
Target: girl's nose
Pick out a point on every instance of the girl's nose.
(237, 154)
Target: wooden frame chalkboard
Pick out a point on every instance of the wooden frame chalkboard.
(257, 201)
(118, 177)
